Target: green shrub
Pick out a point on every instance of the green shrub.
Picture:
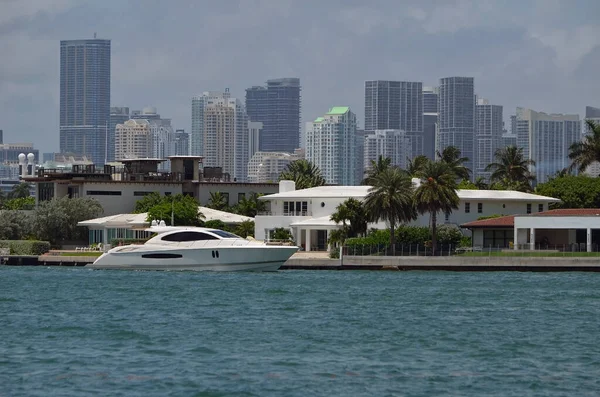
(449, 235)
(126, 241)
(465, 242)
(334, 253)
(25, 247)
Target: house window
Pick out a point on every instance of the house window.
(479, 208)
(467, 208)
(529, 208)
(103, 193)
(447, 217)
(540, 207)
(286, 208)
(497, 238)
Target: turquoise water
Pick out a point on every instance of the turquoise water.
(73, 332)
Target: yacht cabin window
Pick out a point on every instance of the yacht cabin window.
(188, 236)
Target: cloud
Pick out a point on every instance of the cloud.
(13, 10)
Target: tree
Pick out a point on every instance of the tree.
(14, 225)
(148, 201)
(20, 190)
(451, 156)
(377, 167)
(19, 203)
(437, 192)
(510, 170)
(390, 199)
(353, 212)
(245, 229)
(573, 191)
(466, 184)
(281, 234)
(182, 208)
(481, 184)
(250, 206)
(416, 166)
(56, 220)
(304, 173)
(218, 201)
(587, 151)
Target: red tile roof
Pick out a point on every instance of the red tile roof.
(509, 221)
(502, 221)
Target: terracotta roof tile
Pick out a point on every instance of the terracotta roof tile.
(502, 221)
(509, 221)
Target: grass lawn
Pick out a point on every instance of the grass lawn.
(532, 253)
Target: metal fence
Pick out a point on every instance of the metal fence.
(579, 249)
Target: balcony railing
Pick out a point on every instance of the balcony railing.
(285, 213)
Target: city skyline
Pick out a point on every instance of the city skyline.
(543, 55)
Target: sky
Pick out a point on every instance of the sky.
(542, 54)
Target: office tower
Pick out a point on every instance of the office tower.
(393, 144)
(85, 97)
(359, 157)
(330, 143)
(509, 140)
(133, 139)
(1, 136)
(430, 119)
(546, 138)
(456, 118)
(265, 167)
(254, 130)
(277, 106)
(182, 143)
(593, 114)
(118, 115)
(225, 136)
(395, 105)
(199, 103)
(488, 136)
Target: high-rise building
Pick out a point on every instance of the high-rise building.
(254, 130)
(225, 134)
(509, 140)
(133, 139)
(330, 141)
(85, 97)
(488, 136)
(456, 119)
(359, 157)
(118, 115)
(182, 143)
(199, 103)
(393, 144)
(593, 114)
(430, 119)
(277, 106)
(394, 105)
(265, 167)
(545, 139)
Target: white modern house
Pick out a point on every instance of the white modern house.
(559, 229)
(307, 212)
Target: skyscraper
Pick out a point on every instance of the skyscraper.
(393, 144)
(394, 105)
(593, 114)
(488, 136)
(331, 143)
(277, 106)
(545, 139)
(85, 97)
(199, 103)
(118, 115)
(456, 119)
(430, 118)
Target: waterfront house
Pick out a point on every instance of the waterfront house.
(307, 212)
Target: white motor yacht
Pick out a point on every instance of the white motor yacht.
(196, 248)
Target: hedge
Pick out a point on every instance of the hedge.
(25, 247)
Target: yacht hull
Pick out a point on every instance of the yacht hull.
(244, 258)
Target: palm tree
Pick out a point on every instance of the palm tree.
(451, 156)
(415, 166)
(511, 169)
(587, 151)
(20, 190)
(245, 229)
(250, 206)
(353, 212)
(382, 164)
(390, 199)
(481, 184)
(437, 192)
(304, 173)
(217, 201)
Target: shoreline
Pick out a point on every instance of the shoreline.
(319, 261)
